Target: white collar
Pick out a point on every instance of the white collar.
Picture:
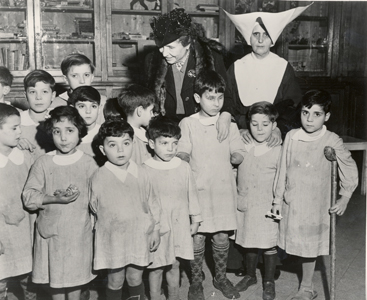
(26, 120)
(64, 96)
(259, 150)
(163, 165)
(64, 160)
(302, 135)
(140, 134)
(16, 156)
(91, 134)
(206, 121)
(122, 174)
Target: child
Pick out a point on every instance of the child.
(175, 185)
(137, 103)
(6, 80)
(211, 164)
(78, 71)
(127, 227)
(255, 180)
(302, 191)
(86, 100)
(15, 230)
(112, 109)
(57, 187)
(39, 89)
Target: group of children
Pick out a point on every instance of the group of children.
(139, 192)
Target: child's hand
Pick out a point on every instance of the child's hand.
(236, 158)
(64, 197)
(340, 206)
(24, 144)
(2, 249)
(184, 156)
(155, 240)
(276, 209)
(223, 125)
(194, 227)
(275, 138)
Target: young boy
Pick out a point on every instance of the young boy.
(175, 186)
(86, 100)
(303, 187)
(128, 213)
(39, 89)
(255, 180)
(78, 71)
(15, 229)
(6, 80)
(211, 161)
(137, 103)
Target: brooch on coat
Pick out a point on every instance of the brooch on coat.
(191, 73)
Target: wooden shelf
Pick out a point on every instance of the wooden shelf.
(13, 8)
(69, 9)
(15, 40)
(68, 41)
(135, 12)
(312, 19)
(203, 13)
(302, 47)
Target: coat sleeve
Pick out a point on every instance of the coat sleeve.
(194, 206)
(34, 191)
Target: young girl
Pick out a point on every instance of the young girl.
(302, 193)
(175, 186)
(211, 161)
(57, 187)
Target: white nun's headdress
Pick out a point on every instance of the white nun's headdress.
(273, 22)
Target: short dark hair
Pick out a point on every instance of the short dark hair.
(115, 128)
(319, 97)
(6, 78)
(263, 108)
(84, 94)
(7, 111)
(134, 96)
(36, 76)
(112, 109)
(163, 126)
(75, 59)
(209, 80)
(71, 113)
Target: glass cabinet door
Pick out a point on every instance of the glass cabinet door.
(16, 36)
(66, 27)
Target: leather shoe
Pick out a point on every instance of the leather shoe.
(268, 290)
(245, 282)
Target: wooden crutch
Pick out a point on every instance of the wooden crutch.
(330, 155)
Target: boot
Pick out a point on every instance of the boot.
(113, 294)
(250, 277)
(136, 292)
(270, 261)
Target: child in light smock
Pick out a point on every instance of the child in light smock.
(15, 228)
(57, 187)
(255, 180)
(211, 161)
(175, 186)
(303, 187)
(127, 210)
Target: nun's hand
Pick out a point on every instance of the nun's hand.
(223, 125)
(275, 138)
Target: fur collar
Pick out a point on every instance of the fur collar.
(158, 67)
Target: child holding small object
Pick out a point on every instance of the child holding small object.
(128, 213)
(255, 180)
(175, 187)
(211, 162)
(303, 187)
(57, 186)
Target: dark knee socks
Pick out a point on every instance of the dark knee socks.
(113, 294)
(136, 291)
(197, 264)
(220, 257)
(270, 260)
(251, 261)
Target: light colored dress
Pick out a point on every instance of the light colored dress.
(127, 212)
(36, 134)
(63, 244)
(175, 186)
(140, 146)
(304, 182)
(210, 163)
(255, 181)
(15, 229)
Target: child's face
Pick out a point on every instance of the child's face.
(210, 102)
(118, 150)
(79, 76)
(145, 114)
(10, 131)
(261, 127)
(4, 90)
(88, 111)
(165, 148)
(40, 97)
(313, 118)
(65, 136)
